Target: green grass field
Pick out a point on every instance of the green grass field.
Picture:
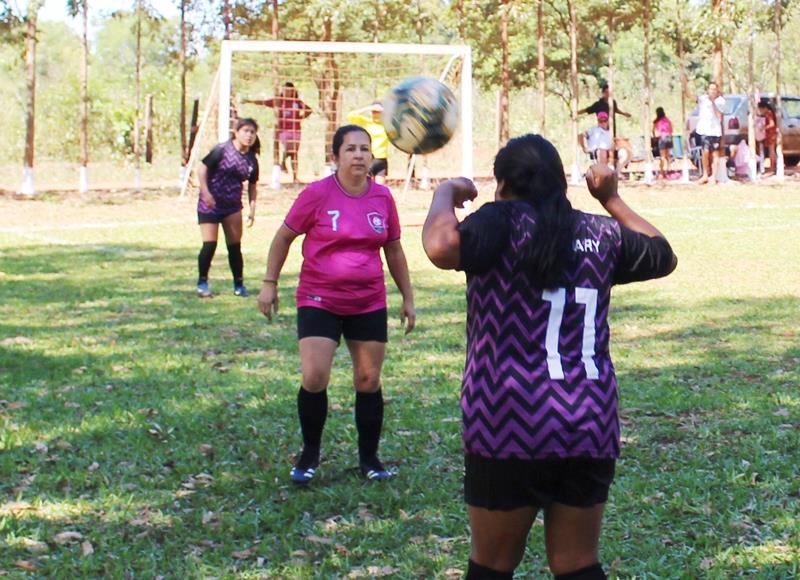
(145, 433)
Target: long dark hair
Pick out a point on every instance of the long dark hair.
(660, 114)
(531, 169)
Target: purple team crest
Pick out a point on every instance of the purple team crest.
(376, 221)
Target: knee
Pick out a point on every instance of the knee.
(565, 562)
(315, 380)
(505, 560)
(365, 382)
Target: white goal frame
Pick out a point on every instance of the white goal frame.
(229, 47)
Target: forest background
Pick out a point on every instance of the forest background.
(505, 36)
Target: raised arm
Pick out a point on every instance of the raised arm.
(602, 182)
(645, 252)
(278, 250)
(440, 237)
(263, 102)
(398, 268)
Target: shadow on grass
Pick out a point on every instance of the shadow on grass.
(162, 428)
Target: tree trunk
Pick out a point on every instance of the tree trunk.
(684, 91)
(716, 59)
(573, 78)
(647, 121)
(328, 87)
(540, 64)
(226, 18)
(460, 11)
(778, 100)
(612, 117)
(137, 153)
(505, 81)
(30, 104)
(182, 69)
(276, 145)
(148, 130)
(751, 94)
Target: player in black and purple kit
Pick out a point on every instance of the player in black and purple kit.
(539, 394)
(221, 175)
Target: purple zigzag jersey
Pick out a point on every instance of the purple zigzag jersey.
(225, 179)
(539, 381)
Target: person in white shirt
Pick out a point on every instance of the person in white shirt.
(709, 129)
(596, 141)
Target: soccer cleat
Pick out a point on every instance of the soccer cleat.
(374, 470)
(302, 476)
(306, 466)
(203, 291)
(240, 291)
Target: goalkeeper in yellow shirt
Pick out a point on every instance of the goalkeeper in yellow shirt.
(380, 141)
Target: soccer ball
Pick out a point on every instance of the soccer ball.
(420, 115)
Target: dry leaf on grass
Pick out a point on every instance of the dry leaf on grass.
(34, 545)
(319, 540)
(245, 554)
(86, 548)
(26, 565)
(67, 537)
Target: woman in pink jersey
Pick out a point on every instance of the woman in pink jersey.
(662, 131)
(346, 218)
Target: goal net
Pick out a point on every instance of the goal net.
(333, 79)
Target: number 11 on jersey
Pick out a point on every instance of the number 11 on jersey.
(558, 299)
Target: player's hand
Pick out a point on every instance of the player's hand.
(251, 214)
(408, 315)
(208, 199)
(268, 299)
(602, 182)
(463, 189)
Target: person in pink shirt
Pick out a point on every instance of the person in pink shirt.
(346, 219)
(662, 131)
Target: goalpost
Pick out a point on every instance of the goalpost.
(333, 79)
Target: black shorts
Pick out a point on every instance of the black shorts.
(664, 142)
(379, 167)
(507, 484)
(371, 326)
(709, 142)
(214, 218)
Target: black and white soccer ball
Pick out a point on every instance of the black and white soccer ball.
(420, 115)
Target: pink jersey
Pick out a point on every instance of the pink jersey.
(663, 127)
(342, 269)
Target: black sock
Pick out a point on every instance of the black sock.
(312, 408)
(478, 572)
(369, 422)
(593, 572)
(236, 262)
(204, 260)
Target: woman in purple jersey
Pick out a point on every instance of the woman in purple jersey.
(538, 397)
(347, 219)
(221, 175)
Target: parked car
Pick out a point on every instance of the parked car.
(735, 123)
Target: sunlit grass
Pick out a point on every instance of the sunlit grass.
(162, 428)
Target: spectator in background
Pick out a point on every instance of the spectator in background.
(770, 134)
(662, 131)
(603, 105)
(596, 141)
(290, 110)
(709, 130)
(380, 140)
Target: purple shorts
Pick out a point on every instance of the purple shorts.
(289, 138)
